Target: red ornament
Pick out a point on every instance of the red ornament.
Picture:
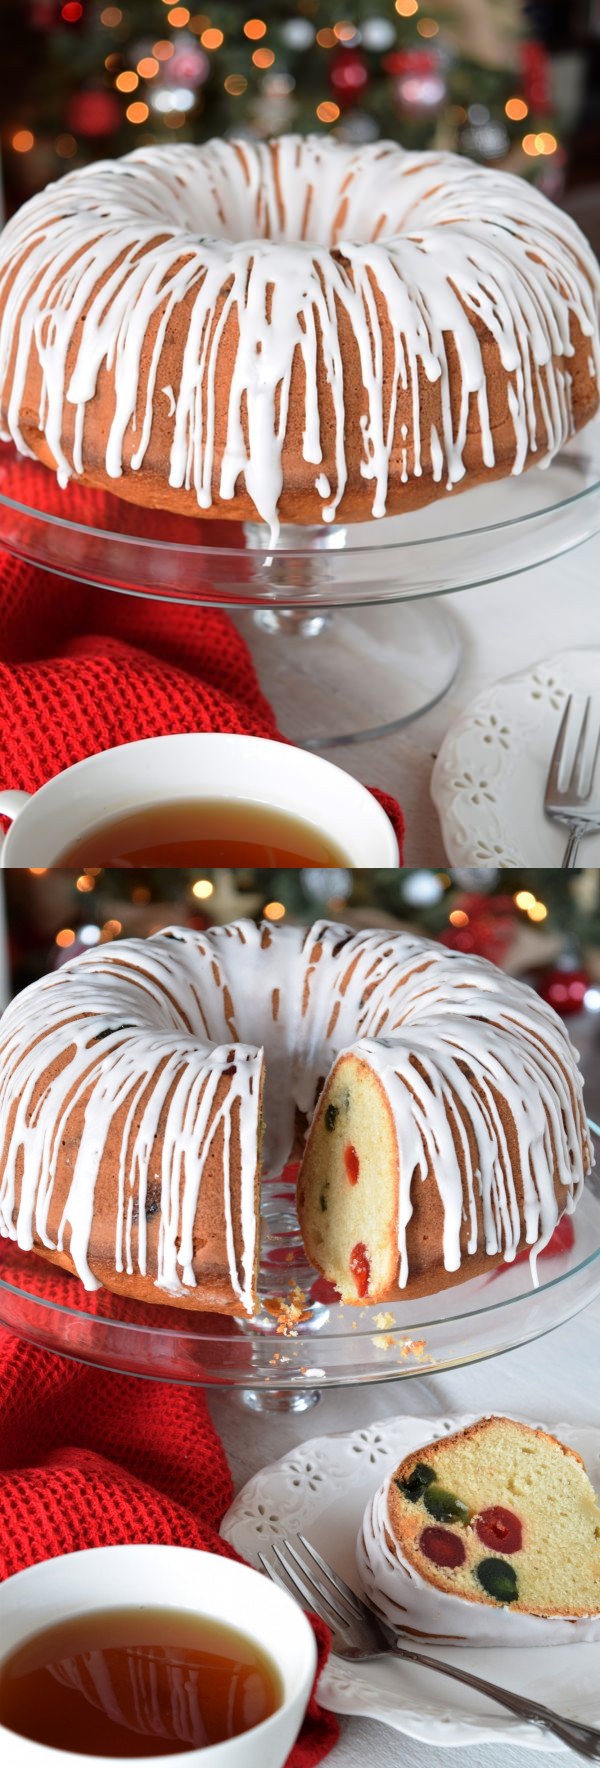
(536, 78)
(93, 113)
(499, 1529)
(484, 926)
(564, 990)
(349, 75)
(188, 67)
(410, 61)
(43, 15)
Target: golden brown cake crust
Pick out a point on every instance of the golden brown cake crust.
(299, 502)
(131, 1110)
(426, 1270)
(425, 1231)
(390, 401)
(210, 1263)
(123, 1129)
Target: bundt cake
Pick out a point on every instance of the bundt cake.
(450, 1132)
(298, 330)
(487, 1537)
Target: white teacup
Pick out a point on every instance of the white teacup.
(166, 1577)
(161, 770)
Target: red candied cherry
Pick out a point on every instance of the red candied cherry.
(499, 1529)
(360, 1266)
(443, 1548)
(323, 1290)
(352, 1164)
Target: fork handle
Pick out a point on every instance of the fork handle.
(584, 1739)
(569, 858)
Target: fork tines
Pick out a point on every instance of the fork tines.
(297, 1563)
(571, 773)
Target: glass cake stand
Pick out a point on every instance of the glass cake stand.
(346, 623)
(304, 1340)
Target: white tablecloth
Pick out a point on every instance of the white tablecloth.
(504, 627)
(556, 1378)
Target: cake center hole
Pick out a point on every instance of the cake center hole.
(304, 224)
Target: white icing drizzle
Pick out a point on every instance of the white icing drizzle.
(478, 1037)
(95, 269)
(150, 1028)
(128, 1023)
(407, 1601)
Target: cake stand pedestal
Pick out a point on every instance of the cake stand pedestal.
(313, 662)
(390, 663)
(349, 633)
(279, 1401)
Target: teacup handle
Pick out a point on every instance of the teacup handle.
(11, 803)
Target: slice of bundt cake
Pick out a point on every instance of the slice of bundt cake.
(422, 1163)
(483, 1534)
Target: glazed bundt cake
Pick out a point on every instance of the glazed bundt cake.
(487, 1537)
(297, 330)
(449, 1133)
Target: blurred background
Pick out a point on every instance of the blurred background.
(513, 83)
(541, 925)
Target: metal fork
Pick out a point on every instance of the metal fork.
(359, 1636)
(575, 801)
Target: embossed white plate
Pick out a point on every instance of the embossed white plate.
(322, 1488)
(488, 781)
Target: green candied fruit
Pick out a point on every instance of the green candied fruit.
(444, 1506)
(331, 1117)
(413, 1488)
(498, 1579)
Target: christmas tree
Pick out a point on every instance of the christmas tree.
(56, 914)
(86, 78)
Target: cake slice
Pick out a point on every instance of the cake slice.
(419, 1169)
(488, 1536)
(348, 1185)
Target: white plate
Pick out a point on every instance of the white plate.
(488, 781)
(322, 1488)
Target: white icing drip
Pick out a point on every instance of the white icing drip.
(455, 1072)
(479, 1037)
(437, 455)
(406, 1600)
(148, 1029)
(97, 264)
(129, 1024)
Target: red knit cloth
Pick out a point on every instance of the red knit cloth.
(90, 1459)
(82, 669)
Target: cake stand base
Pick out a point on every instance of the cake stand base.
(349, 675)
(280, 1400)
